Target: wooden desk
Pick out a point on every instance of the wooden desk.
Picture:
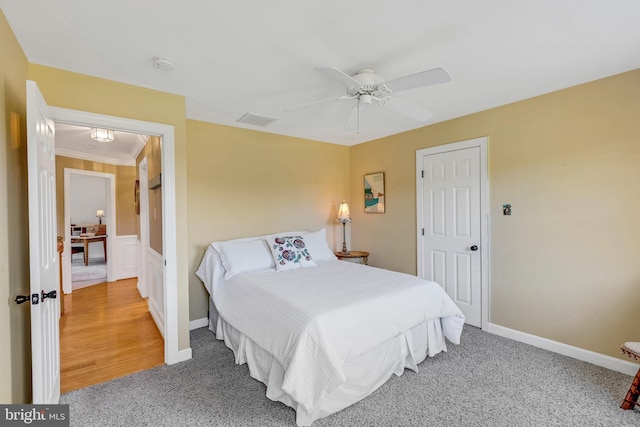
(90, 239)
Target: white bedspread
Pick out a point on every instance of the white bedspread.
(312, 320)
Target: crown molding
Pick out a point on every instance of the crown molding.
(95, 157)
(141, 141)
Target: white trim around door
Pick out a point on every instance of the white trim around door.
(482, 144)
(172, 353)
(143, 276)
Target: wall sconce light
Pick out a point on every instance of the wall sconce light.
(100, 215)
(344, 218)
(102, 135)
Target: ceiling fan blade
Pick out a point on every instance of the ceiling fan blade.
(309, 104)
(409, 109)
(424, 78)
(334, 73)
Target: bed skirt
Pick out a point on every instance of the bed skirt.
(364, 373)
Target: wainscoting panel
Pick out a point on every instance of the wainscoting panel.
(156, 288)
(127, 259)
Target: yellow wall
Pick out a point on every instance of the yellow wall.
(15, 348)
(566, 264)
(563, 266)
(85, 93)
(125, 177)
(246, 183)
(126, 218)
(153, 152)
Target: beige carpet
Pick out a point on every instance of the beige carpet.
(486, 381)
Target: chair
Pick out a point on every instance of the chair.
(76, 248)
(632, 349)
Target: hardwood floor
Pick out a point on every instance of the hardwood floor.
(106, 332)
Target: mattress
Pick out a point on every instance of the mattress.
(323, 338)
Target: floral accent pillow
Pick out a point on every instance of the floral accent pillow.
(290, 252)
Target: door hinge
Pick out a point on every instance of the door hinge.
(423, 231)
(423, 173)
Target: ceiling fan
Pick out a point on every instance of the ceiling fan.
(366, 87)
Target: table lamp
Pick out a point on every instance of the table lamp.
(344, 218)
(100, 215)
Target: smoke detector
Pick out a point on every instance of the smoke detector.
(164, 64)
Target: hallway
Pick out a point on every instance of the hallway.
(106, 332)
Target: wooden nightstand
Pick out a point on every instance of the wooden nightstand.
(359, 257)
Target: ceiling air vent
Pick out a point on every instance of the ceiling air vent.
(256, 119)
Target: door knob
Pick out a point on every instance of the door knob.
(474, 248)
(51, 294)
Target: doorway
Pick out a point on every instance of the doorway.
(451, 202)
(96, 305)
(86, 193)
(45, 342)
(172, 354)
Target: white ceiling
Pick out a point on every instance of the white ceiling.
(255, 56)
(75, 141)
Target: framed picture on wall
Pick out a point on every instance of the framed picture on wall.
(136, 196)
(374, 193)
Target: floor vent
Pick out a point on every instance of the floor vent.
(256, 119)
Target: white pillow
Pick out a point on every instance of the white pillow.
(290, 252)
(244, 256)
(318, 247)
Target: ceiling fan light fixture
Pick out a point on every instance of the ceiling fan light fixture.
(102, 135)
(366, 99)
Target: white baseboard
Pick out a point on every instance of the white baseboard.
(157, 317)
(198, 323)
(185, 354)
(139, 287)
(603, 360)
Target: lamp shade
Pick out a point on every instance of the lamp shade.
(100, 213)
(343, 212)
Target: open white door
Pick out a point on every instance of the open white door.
(43, 255)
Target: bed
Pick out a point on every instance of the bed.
(320, 333)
